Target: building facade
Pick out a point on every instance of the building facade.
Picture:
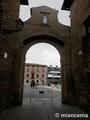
(54, 77)
(36, 72)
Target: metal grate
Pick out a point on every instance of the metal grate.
(41, 95)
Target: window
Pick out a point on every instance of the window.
(37, 81)
(37, 75)
(27, 81)
(86, 45)
(44, 19)
(32, 75)
(27, 75)
(42, 75)
(86, 38)
(87, 25)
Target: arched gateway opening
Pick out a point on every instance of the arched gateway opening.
(42, 66)
(54, 33)
(58, 44)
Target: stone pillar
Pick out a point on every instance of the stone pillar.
(68, 88)
(17, 81)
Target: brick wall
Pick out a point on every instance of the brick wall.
(79, 12)
(8, 46)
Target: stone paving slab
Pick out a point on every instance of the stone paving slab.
(41, 110)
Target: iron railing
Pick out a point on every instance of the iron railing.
(41, 95)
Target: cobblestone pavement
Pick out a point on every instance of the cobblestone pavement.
(42, 108)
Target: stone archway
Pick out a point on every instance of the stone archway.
(54, 33)
(65, 66)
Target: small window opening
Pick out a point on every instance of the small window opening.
(44, 19)
(87, 25)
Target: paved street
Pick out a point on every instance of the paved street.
(55, 90)
(42, 107)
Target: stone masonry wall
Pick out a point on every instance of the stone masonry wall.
(75, 81)
(8, 46)
(80, 10)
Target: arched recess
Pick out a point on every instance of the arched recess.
(59, 45)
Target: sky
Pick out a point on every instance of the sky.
(43, 53)
(63, 16)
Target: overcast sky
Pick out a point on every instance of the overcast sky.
(43, 53)
(63, 16)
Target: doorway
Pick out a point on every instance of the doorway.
(43, 60)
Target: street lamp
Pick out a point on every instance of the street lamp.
(19, 26)
(6, 32)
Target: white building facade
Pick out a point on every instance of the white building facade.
(54, 77)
